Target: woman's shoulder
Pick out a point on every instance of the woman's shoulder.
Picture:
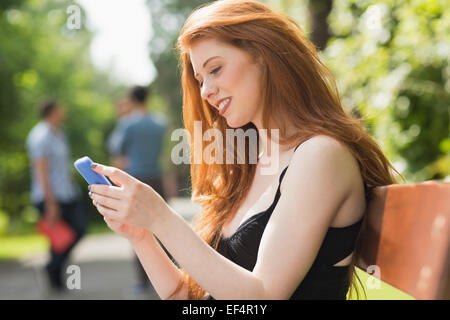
(324, 155)
(321, 143)
(324, 149)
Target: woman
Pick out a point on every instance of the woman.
(288, 235)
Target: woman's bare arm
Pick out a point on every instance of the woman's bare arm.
(318, 180)
(162, 272)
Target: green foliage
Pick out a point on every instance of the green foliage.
(40, 57)
(390, 59)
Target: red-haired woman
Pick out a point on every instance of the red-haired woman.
(286, 235)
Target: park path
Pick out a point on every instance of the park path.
(106, 263)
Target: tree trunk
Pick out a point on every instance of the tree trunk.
(319, 11)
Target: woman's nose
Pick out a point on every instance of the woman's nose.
(208, 90)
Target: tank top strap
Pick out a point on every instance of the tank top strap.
(282, 176)
(284, 171)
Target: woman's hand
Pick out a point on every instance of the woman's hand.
(129, 204)
(133, 234)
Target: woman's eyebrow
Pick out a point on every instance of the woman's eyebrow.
(206, 62)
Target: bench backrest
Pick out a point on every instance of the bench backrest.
(406, 235)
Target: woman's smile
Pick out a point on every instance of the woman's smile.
(223, 106)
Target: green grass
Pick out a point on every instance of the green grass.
(17, 246)
(384, 292)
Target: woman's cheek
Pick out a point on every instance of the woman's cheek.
(231, 78)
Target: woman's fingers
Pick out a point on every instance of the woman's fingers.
(107, 202)
(105, 212)
(111, 223)
(107, 191)
(120, 177)
(117, 183)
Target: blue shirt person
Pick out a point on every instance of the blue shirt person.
(141, 142)
(53, 192)
(123, 109)
(138, 137)
(49, 144)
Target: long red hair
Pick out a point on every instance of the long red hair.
(293, 79)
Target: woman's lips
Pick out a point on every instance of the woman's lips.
(225, 108)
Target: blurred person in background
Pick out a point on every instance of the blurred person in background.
(123, 108)
(137, 149)
(53, 192)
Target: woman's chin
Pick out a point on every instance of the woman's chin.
(235, 123)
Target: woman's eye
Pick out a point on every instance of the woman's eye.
(212, 72)
(215, 70)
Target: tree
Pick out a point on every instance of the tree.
(40, 56)
(319, 10)
(390, 59)
(391, 62)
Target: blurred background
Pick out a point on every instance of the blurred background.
(390, 59)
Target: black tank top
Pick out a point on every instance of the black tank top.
(323, 280)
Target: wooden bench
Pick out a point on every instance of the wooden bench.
(406, 236)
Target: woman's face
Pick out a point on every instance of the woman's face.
(228, 74)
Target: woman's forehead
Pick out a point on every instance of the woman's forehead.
(206, 49)
(203, 47)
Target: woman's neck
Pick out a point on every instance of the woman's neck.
(268, 145)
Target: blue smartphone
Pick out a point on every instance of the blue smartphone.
(83, 166)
